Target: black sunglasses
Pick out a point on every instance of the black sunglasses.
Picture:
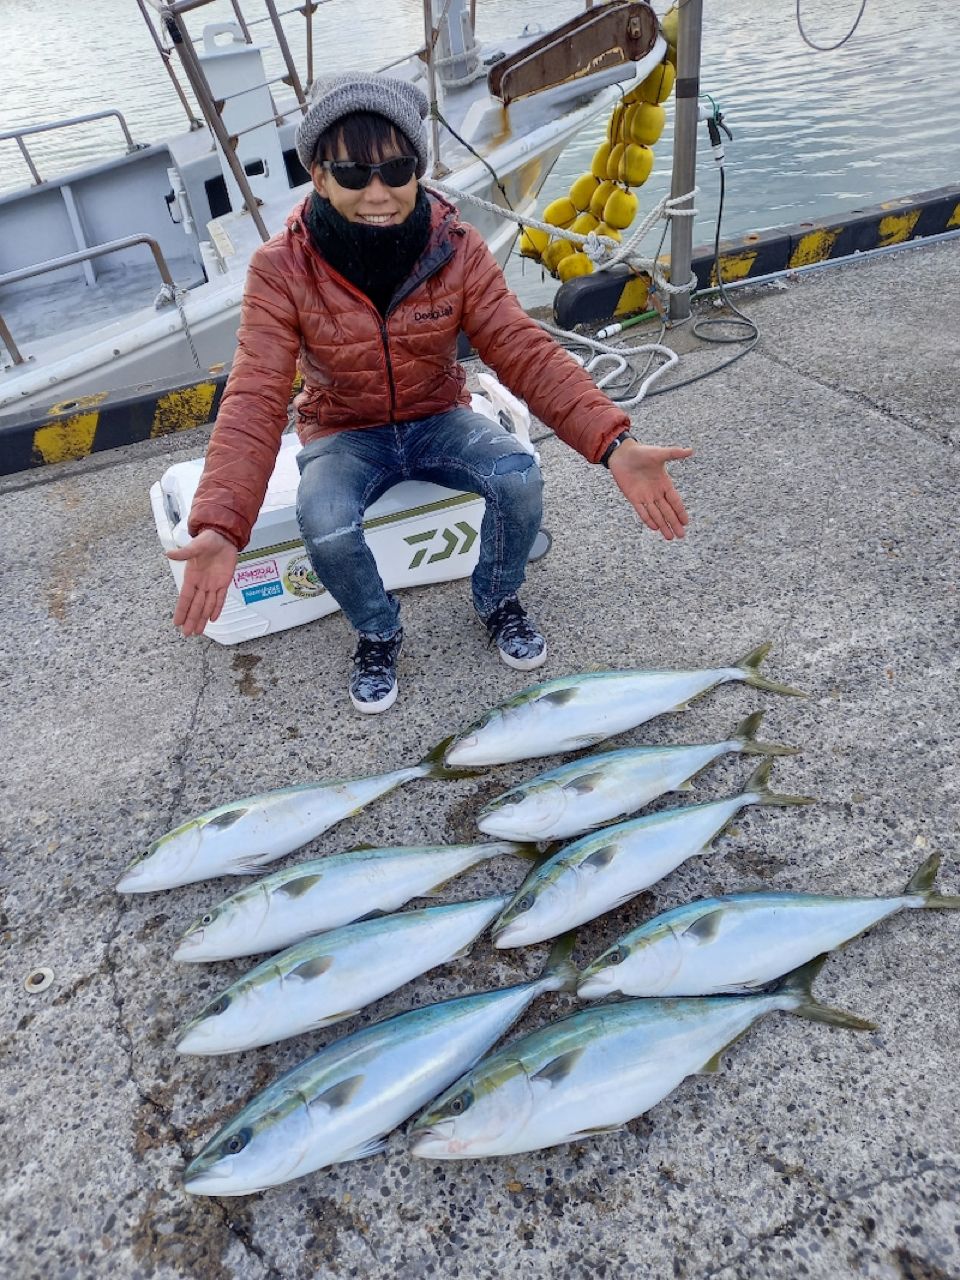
(355, 176)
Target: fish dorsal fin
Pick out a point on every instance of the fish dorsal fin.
(363, 848)
(586, 783)
(339, 1094)
(601, 857)
(311, 968)
(296, 888)
(684, 786)
(706, 927)
(221, 821)
(559, 697)
(375, 914)
(559, 1068)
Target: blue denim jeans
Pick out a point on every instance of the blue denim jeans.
(342, 474)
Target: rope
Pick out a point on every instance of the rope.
(173, 293)
(601, 250)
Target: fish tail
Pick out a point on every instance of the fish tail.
(756, 785)
(799, 984)
(746, 734)
(531, 851)
(750, 665)
(432, 765)
(558, 967)
(922, 883)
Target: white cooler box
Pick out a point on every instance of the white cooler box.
(418, 533)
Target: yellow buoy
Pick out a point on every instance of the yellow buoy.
(554, 252)
(598, 166)
(636, 165)
(670, 24)
(573, 265)
(584, 224)
(582, 190)
(602, 229)
(615, 125)
(621, 209)
(613, 164)
(560, 213)
(533, 241)
(658, 85)
(600, 197)
(671, 57)
(646, 123)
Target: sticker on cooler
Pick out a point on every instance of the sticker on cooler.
(258, 581)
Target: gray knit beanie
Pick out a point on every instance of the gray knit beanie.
(403, 104)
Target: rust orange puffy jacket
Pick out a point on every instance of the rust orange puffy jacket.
(361, 370)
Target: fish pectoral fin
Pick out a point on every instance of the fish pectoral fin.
(585, 784)
(706, 927)
(559, 697)
(463, 952)
(339, 1094)
(370, 1148)
(311, 968)
(601, 857)
(683, 786)
(221, 821)
(296, 888)
(596, 1129)
(558, 1068)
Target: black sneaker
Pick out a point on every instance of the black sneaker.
(520, 643)
(373, 683)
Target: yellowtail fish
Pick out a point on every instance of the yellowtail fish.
(246, 835)
(340, 1104)
(577, 711)
(744, 940)
(593, 1071)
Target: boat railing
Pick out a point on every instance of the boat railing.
(73, 259)
(18, 135)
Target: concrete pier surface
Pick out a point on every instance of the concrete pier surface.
(823, 498)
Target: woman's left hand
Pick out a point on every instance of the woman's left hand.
(640, 470)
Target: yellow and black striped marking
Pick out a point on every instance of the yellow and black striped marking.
(106, 420)
(614, 294)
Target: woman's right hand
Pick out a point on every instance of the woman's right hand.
(211, 561)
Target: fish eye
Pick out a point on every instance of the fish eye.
(207, 919)
(235, 1143)
(219, 1006)
(461, 1102)
(525, 903)
(617, 955)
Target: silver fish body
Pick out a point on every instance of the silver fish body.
(742, 941)
(593, 1071)
(325, 893)
(577, 711)
(326, 979)
(601, 871)
(242, 837)
(596, 790)
(341, 1103)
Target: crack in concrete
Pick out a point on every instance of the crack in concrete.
(792, 1225)
(111, 966)
(930, 431)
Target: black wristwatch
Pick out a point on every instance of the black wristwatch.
(612, 447)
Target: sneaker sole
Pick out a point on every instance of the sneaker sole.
(374, 708)
(524, 664)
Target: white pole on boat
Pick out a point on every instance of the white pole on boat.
(687, 91)
(439, 170)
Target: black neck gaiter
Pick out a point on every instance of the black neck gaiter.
(375, 259)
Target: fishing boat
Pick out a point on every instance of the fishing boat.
(131, 270)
